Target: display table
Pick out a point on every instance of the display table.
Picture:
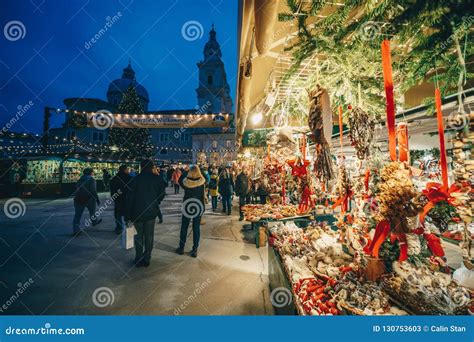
(299, 220)
(278, 281)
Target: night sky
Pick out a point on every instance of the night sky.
(51, 62)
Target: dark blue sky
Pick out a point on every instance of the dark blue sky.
(51, 62)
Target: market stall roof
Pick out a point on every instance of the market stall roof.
(264, 61)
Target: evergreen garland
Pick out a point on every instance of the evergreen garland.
(132, 143)
(424, 46)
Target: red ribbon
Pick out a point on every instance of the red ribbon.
(381, 232)
(442, 145)
(343, 202)
(402, 243)
(435, 193)
(390, 105)
(402, 138)
(366, 180)
(433, 242)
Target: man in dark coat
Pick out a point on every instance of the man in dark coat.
(242, 190)
(226, 187)
(85, 196)
(119, 187)
(147, 190)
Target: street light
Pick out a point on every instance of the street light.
(257, 117)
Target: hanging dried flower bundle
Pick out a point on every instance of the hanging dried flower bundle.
(320, 124)
(397, 199)
(361, 131)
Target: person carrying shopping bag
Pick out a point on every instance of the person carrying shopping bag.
(147, 190)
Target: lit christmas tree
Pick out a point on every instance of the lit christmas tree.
(133, 143)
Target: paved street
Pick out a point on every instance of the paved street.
(68, 275)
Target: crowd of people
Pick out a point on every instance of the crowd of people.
(137, 199)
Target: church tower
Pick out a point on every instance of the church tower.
(213, 86)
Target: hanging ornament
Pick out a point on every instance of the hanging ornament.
(361, 131)
(319, 119)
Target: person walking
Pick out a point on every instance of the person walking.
(226, 187)
(85, 196)
(106, 179)
(242, 190)
(214, 189)
(169, 175)
(156, 171)
(175, 179)
(193, 208)
(146, 192)
(119, 186)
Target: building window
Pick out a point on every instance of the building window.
(214, 143)
(164, 137)
(228, 143)
(163, 151)
(209, 79)
(97, 136)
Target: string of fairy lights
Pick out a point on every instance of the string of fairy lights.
(37, 148)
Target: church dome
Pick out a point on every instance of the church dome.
(120, 85)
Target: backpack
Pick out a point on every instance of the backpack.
(213, 184)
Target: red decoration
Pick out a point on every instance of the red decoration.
(442, 145)
(402, 138)
(388, 84)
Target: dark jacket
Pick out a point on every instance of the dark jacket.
(226, 185)
(146, 193)
(242, 185)
(119, 187)
(86, 190)
(193, 188)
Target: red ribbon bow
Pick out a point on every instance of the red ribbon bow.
(435, 193)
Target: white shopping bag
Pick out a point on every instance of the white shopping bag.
(128, 235)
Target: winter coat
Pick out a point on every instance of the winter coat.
(86, 190)
(175, 176)
(242, 185)
(226, 185)
(193, 188)
(147, 190)
(119, 187)
(214, 192)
